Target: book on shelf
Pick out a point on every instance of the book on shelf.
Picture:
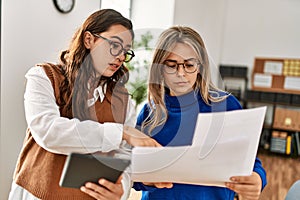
(288, 144)
(297, 143)
(278, 142)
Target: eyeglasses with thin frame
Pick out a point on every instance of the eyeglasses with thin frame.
(116, 48)
(189, 66)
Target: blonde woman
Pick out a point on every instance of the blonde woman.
(179, 88)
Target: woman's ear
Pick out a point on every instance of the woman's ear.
(88, 39)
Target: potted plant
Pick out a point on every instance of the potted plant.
(138, 68)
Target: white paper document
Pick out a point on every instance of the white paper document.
(262, 80)
(273, 67)
(224, 145)
(291, 83)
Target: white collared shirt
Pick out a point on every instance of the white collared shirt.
(62, 135)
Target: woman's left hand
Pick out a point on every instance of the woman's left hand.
(106, 190)
(248, 187)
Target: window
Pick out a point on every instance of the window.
(122, 6)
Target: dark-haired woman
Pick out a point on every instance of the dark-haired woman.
(79, 105)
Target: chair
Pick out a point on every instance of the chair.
(294, 191)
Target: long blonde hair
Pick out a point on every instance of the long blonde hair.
(156, 87)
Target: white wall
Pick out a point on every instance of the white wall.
(261, 28)
(32, 31)
(237, 31)
(153, 16)
(206, 17)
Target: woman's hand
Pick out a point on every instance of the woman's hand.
(135, 137)
(248, 187)
(106, 190)
(159, 185)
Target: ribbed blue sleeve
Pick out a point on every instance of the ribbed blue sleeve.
(141, 187)
(258, 168)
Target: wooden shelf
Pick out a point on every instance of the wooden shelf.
(278, 70)
(274, 96)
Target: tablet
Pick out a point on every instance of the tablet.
(82, 168)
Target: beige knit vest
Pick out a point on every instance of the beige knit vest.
(38, 170)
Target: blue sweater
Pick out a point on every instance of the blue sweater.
(178, 130)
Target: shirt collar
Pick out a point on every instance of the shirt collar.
(98, 93)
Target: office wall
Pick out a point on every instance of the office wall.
(206, 17)
(261, 28)
(32, 31)
(155, 14)
(235, 31)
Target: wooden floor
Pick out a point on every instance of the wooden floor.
(282, 172)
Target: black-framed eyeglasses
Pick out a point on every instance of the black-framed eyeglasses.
(116, 48)
(189, 66)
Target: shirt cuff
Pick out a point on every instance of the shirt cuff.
(127, 184)
(113, 134)
(262, 175)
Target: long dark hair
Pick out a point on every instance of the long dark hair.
(77, 66)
